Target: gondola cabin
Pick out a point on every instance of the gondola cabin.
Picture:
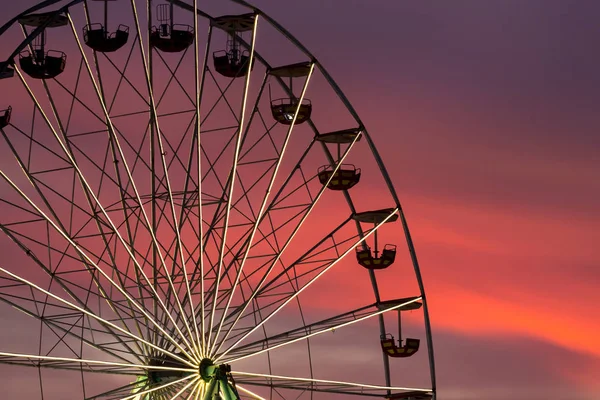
(344, 178)
(285, 109)
(168, 36)
(389, 347)
(347, 175)
(233, 62)
(231, 65)
(374, 260)
(409, 346)
(99, 39)
(371, 260)
(38, 62)
(43, 65)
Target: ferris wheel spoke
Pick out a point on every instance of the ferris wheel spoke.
(167, 386)
(199, 81)
(278, 199)
(301, 289)
(91, 314)
(32, 360)
(325, 386)
(172, 392)
(69, 287)
(195, 394)
(208, 234)
(249, 392)
(274, 294)
(86, 257)
(101, 97)
(285, 246)
(63, 128)
(327, 325)
(101, 169)
(259, 217)
(231, 186)
(251, 223)
(160, 394)
(274, 202)
(113, 140)
(231, 248)
(185, 389)
(161, 276)
(155, 123)
(121, 391)
(176, 160)
(89, 192)
(212, 170)
(272, 206)
(326, 253)
(54, 273)
(269, 258)
(270, 300)
(54, 325)
(116, 142)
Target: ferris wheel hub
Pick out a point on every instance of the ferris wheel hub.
(209, 370)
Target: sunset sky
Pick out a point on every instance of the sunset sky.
(486, 116)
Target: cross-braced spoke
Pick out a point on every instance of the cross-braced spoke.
(31, 360)
(317, 328)
(321, 385)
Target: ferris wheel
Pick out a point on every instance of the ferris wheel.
(190, 208)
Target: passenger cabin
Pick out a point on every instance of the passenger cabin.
(347, 175)
(372, 260)
(5, 117)
(43, 65)
(388, 344)
(230, 64)
(344, 178)
(389, 347)
(168, 36)
(233, 62)
(38, 62)
(99, 39)
(284, 109)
